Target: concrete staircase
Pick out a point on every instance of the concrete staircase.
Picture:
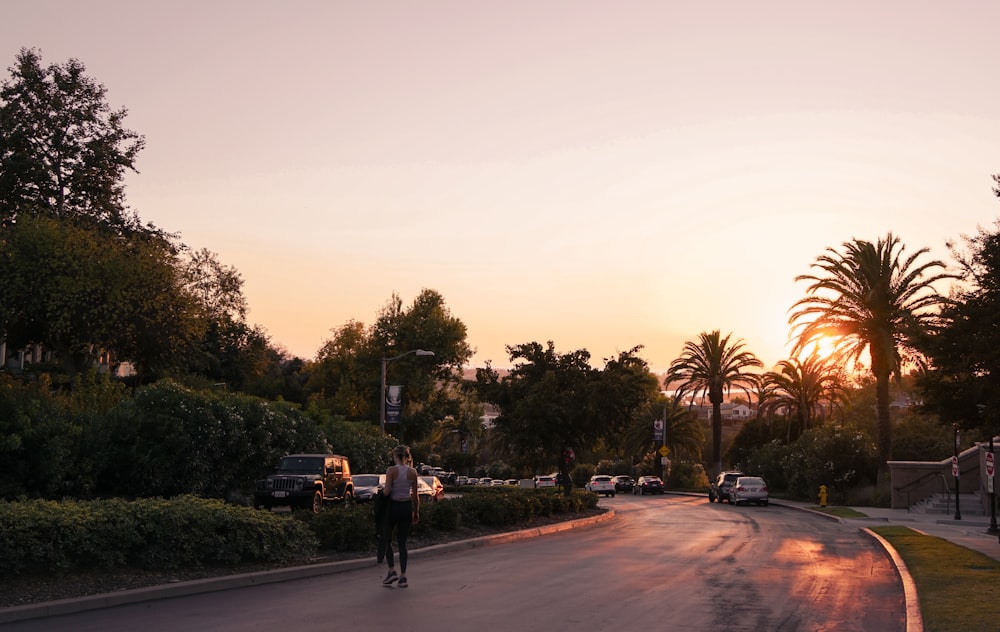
(944, 504)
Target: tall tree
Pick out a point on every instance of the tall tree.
(870, 297)
(80, 292)
(544, 403)
(962, 383)
(63, 151)
(428, 325)
(714, 366)
(804, 391)
(622, 392)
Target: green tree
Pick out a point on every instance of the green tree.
(622, 393)
(81, 291)
(63, 151)
(962, 383)
(714, 366)
(544, 404)
(429, 325)
(805, 391)
(870, 297)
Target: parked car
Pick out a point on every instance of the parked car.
(719, 489)
(748, 489)
(497, 482)
(430, 488)
(306, 480)
(545, 481)
(624, 483)
(461, 480)
(367, 485)
(648, 485)
(601, 484)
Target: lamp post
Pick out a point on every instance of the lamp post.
(385, 363)
(958, 473)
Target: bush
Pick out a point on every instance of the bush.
(687, 475)
(39, 535)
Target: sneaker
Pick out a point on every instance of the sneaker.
(402, 582)
(390, 578)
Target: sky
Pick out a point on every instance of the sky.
(599, 174)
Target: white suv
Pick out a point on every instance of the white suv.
(601, 484)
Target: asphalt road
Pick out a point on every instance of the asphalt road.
(664, 563)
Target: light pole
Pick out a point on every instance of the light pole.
(958, 474)
(385, 363)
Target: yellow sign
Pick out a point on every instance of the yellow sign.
(664, 451)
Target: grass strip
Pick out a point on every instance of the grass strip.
(958, 588)
(840, 512)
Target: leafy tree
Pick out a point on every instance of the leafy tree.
(81, 291)
(63, 151)
(870, 297)
(544, 404)
(622, 392)
(714, 366)
(343, 374)
(802, 390)
(962, 384)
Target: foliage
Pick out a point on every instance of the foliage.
(551, 401)
(168, 440)
(63, 151)
(37, 439)
(802, 391)
(39, 536)
(962, 384)
(840, 458)
(687, 475)
(714, 366)
(869, 297)
(345, 378)
(81, 291)
(921, 437)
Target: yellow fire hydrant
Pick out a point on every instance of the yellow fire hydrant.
(822, 495)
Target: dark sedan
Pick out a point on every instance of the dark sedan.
(648, 485)
(623, 483)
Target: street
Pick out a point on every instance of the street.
(664, 563)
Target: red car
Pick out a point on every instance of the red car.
(648, 485)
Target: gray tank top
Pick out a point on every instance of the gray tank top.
(400, 486)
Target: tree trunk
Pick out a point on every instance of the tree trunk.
(884, 422)
(717, 435)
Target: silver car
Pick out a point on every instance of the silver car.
(748, 489)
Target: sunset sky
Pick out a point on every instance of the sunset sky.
(598, 174)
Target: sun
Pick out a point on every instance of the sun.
(822, 348)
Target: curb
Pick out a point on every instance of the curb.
(227, 582)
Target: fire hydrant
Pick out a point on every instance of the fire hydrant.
(822, 495)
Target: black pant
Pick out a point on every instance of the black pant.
(399, 515)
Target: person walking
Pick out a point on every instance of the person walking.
(402, 513)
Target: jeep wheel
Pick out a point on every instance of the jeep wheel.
(317, 501)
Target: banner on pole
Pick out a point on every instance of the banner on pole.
(393, 404)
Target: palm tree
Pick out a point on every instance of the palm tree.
(869, 297)
(682, 432)
(713, 365)
(802, 390)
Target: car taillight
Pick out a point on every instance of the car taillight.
(764, 488)
(739, 488)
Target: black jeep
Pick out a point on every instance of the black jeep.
(306, 480)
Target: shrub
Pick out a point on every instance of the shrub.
(41, 535)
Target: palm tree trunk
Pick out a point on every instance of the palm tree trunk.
(884, 422)
(717, 436)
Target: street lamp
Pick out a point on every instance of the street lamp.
(958, 474)
(385, 363)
